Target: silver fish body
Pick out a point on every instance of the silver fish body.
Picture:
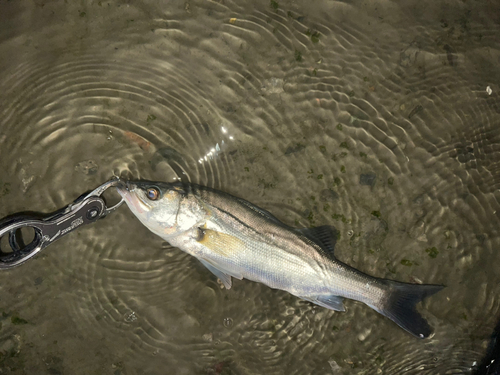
(234, 238)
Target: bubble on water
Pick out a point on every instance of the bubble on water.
(363, 335)
(130, 317)
(209, 337)
(228, 322)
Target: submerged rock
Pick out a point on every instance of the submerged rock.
(292, 149)
(367, 179)
(328, 195)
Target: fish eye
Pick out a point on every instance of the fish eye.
(152, 193)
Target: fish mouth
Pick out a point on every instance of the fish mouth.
(122, 186)
(128, 191)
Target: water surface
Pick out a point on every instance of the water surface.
(379, 118)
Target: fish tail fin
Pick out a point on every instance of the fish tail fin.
(400, 306)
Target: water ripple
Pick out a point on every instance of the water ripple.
(380, 125)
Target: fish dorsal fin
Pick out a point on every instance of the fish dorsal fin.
(325, 236)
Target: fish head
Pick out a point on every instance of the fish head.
(156, 204)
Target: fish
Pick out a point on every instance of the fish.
(234, 238)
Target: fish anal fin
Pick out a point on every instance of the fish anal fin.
(325, 236)
(329, 301)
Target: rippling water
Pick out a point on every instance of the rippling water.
(380, 119)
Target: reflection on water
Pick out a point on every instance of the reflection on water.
(378, 118)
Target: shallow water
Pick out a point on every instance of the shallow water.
(378, 118)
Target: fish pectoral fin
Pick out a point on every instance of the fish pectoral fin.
(221, 272)
(329, 301)
(225, 278)
(221, 243)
